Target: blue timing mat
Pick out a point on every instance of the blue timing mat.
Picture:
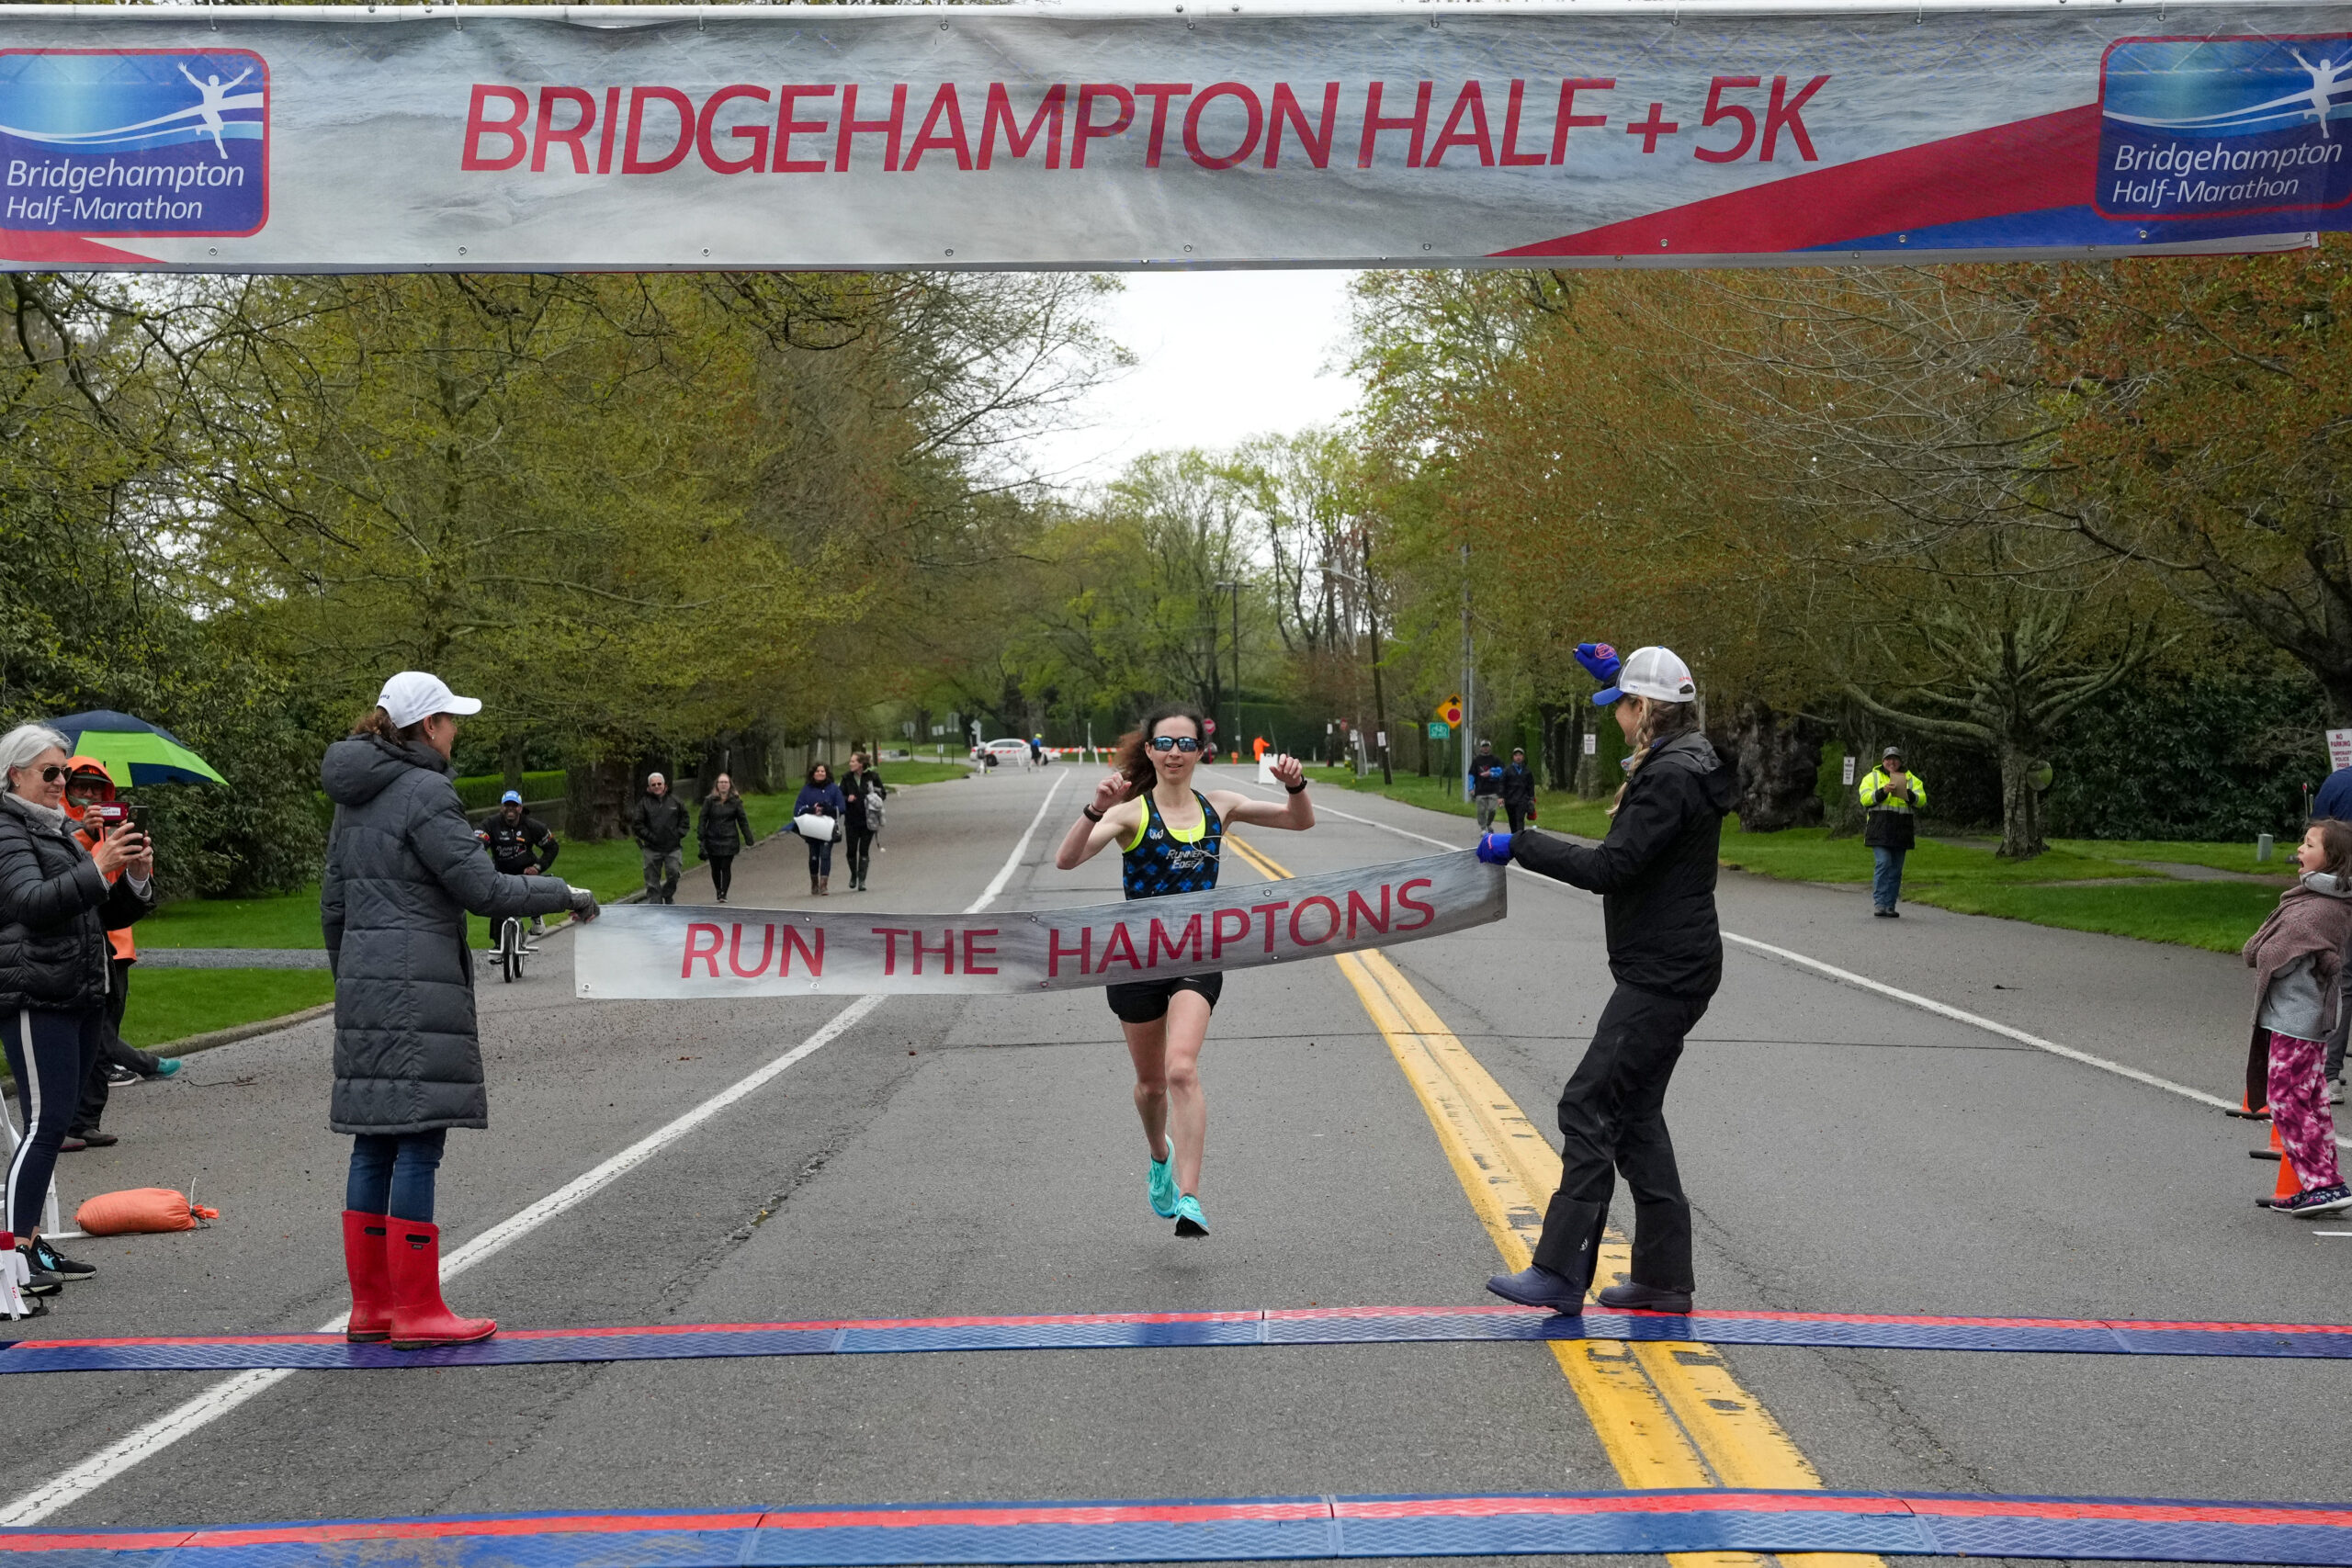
(1125, 1331)
(1255, 1528)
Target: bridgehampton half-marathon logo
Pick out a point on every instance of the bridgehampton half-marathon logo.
(2205, 128)
(134, 141)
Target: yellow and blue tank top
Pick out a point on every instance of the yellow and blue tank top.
(1159, 861)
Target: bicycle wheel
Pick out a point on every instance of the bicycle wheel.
(510, 955)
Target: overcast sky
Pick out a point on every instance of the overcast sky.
(1220, 356)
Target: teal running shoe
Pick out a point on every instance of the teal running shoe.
(1163, 1184)
(1190, 1221)
(166, 1066)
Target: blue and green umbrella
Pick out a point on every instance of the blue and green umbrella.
(134, 751)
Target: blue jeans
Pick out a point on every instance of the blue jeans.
(392, 1174)
(1886, 880)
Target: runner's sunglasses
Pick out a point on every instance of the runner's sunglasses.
(1174, 743)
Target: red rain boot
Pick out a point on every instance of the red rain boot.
(419, 1318)
(371, 1288)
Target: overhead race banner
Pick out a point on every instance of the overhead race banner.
(1177, 134)
(665, 951)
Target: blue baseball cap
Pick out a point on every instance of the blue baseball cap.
(511, 798)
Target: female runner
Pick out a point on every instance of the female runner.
(1170, 835)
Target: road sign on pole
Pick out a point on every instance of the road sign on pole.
(2339, 748)
(1440, 729)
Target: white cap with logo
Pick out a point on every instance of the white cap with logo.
(1656, 673)
(412, 694)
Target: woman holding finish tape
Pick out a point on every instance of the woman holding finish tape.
(1170, 837)
(1655, 874)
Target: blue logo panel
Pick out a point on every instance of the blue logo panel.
(134, 141)
(2207, 128)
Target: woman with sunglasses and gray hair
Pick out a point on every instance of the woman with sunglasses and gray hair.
(56, 906)
(1170, 837)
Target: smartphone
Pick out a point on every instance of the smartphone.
(115, 814)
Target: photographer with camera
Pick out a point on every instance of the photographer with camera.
(58, 900)
(90, 802)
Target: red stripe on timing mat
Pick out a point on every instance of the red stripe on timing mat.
(2051, 160)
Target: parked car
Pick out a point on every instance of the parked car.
(1007, 753)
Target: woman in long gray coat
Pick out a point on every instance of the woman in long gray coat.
(403, 868)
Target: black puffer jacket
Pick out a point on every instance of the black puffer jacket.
(1655, 872)
(726, 826)
(55, 911)
(403, 867)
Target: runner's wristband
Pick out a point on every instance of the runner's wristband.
(1090, 814)
(1300, 788)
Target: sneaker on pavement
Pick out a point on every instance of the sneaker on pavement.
(72, 1144)
(1162, 1185)
(2317, 1202)
(1190, 1221)
(1536, 1286)
(47, 1260)
(167, 1067)
(41, 1284)
(1636, 1297)
(119, 1075)
(94, 1139)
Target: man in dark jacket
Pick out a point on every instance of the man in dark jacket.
(659, 825)
(1656, 873)
(1486, 784)
(1519, 789)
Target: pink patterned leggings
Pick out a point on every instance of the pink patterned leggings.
(2299, 1108)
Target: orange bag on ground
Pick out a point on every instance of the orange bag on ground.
(140, 1209)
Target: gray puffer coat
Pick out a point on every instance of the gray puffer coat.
(403, 867)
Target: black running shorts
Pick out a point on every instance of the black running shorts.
(1146, 1001)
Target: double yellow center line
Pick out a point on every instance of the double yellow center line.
(1669, 1415)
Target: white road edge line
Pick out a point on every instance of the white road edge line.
(1912, 998)
(230, 1393)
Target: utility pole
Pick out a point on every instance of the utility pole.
(1235, 589)
(1379, 697)
(1469, 682)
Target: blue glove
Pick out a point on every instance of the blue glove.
(1495, 848)
(1599, 660)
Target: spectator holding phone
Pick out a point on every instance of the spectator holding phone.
(90, 802)
(58, 899)
(1892, 796)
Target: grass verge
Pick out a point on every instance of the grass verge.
(172, 1004)
(2218, 916)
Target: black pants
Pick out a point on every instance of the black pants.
(47, 1053)
(1519, 810)
(111, 1051)
(861, 856)
(722, 877)
(1613, 1118)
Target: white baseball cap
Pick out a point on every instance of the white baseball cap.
(412, 694)
(1653, 672)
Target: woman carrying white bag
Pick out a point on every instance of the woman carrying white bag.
(817, 816)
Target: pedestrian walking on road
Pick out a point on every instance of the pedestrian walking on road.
(1656, 873)
(1892, 796)
(1518, 790)
(404, 870)
(59, 897)
(1486, 785)
(819, 796)
(1170, 838)
(861, 797)
(660, 826)
(725, 830)
(2297, 958)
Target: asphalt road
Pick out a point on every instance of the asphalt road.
(1846, 1152)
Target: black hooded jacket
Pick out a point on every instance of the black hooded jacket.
(1655, 872)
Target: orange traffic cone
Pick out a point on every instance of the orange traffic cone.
(2289, 1183)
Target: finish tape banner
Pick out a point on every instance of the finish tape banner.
(665, 951)
(1173, 133)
